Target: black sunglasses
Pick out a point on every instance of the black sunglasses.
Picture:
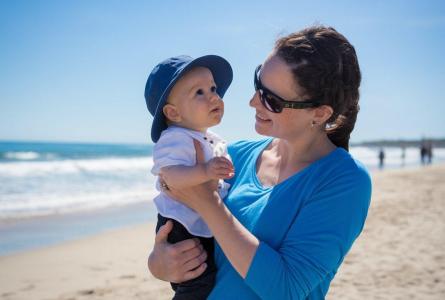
(275, 103)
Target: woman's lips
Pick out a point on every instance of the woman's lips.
(261, 119)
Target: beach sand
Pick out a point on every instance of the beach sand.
(400, 254)
(401, 251)
(111, 265)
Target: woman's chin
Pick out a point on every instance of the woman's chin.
(261, 129)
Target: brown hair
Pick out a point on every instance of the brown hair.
(325, 65)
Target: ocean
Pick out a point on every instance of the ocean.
(51, 178)
(51, 192)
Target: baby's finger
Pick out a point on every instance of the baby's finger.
(225, 159)
(223, 175)
(224, 169)
(226, 174)
(224, 164)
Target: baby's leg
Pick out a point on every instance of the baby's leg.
(200, 287)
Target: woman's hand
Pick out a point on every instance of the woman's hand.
(178, 262)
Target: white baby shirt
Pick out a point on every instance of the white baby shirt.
(175, 147)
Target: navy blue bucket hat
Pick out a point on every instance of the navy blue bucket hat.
(164, 76)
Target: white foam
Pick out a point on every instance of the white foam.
(39, 168)
(22, 155)
(51, 204)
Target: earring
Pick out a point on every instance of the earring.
(313, 123)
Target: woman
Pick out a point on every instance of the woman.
(298, 199)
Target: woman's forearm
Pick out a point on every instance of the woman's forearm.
(237, 243)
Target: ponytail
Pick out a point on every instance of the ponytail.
(340, 132)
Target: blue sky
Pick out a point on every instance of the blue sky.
(76, 70)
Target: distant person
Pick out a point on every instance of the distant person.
(423, 153)
(429, 152)
(402, 156)
(184, 97)
(381, 158)
(298, 199)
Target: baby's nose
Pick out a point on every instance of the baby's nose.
(214, 97)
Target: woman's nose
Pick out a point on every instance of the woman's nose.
(255, 100)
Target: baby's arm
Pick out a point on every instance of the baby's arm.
(181, 176)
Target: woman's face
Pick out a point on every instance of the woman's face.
(277, 77)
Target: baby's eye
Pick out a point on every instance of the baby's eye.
(213, 89)
(200, 92)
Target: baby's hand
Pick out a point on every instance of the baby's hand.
(219, 168)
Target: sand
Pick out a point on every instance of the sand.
(400, 254)
(111, 265)
(401, 251)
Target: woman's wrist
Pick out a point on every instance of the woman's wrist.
(238, 244)
(206, 203)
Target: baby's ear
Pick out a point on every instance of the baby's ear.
(171, 113)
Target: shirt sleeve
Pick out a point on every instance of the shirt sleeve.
(316, 243)
(173, 148)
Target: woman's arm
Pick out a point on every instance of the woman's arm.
(237, 243)
(315, 244)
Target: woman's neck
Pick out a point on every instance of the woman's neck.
(283, 158)
(303, 151)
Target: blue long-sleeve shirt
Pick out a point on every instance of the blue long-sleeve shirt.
(305, 225)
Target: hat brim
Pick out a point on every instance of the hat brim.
(222, 74)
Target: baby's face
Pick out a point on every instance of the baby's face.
(195, 100)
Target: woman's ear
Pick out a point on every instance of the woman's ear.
(171, 113)
(322, 114)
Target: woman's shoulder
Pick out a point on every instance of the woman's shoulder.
(342, 166)
(340, 176)
(349, 163)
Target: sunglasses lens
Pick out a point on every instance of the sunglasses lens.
(271, 103)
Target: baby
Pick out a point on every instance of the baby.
(184, 97)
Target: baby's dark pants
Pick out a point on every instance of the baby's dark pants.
(200, 287)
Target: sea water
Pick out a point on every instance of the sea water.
(50, 192)
(52, 178)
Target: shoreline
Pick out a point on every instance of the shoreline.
(33, 233)
(399, 255)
